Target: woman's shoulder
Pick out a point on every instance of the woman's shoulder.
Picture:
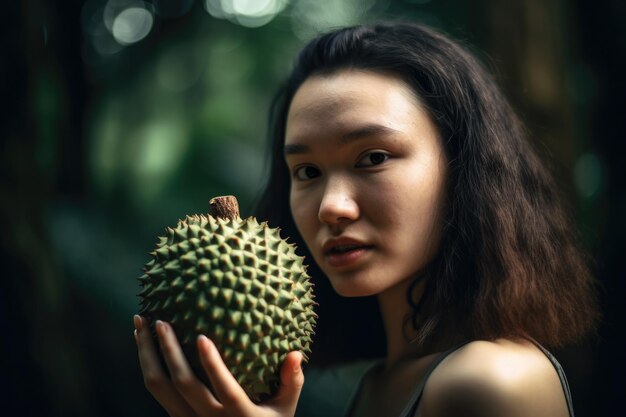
(504, 360)
(493, 378)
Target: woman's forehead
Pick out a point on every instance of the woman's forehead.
(323, 103)
(350, 98)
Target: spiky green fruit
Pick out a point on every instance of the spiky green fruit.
(240, 284)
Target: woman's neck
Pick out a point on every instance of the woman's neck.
(395, 310)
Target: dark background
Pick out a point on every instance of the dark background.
(116, 123)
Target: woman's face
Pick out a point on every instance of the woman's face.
(367, 179)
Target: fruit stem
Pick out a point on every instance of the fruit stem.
(225, 207)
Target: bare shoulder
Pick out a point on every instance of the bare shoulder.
(494, 378)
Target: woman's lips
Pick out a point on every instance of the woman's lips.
(345, 256)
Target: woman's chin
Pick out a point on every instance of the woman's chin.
(350, 290)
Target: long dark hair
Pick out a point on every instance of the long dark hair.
(509, 264)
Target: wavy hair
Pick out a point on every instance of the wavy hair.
(509, 264)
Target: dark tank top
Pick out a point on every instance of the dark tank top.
(411, 407)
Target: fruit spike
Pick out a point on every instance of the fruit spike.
(237, 282)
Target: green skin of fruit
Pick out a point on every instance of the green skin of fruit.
(240, 284)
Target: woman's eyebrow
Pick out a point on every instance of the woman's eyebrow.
(291, 149)
(360, 132)
(368, 130)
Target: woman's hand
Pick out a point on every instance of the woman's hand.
(183, 395)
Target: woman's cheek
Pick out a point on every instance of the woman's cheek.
(302, 218)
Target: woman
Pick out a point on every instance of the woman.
(404, 174)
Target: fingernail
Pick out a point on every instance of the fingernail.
(138, 323)
(202, 341)
(161, 325)
(298, 367)
(205, 340)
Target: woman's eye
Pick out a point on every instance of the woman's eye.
(371, 159)
(306, 173)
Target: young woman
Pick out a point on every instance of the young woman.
(402, 172)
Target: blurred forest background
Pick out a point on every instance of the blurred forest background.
(122, 116)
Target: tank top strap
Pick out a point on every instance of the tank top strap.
(561, 373)
(413, 402)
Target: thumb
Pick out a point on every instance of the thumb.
(291, 382)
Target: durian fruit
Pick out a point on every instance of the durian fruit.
(237, 282)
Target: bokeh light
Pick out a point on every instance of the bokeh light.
(132, 25)
(248, 13)
(155, 155)
(143, 157)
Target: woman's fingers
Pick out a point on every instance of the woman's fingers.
(226, 387)
(193, 391)
(155, 379)
(291, 382)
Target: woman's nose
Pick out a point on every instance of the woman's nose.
(338, 205)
